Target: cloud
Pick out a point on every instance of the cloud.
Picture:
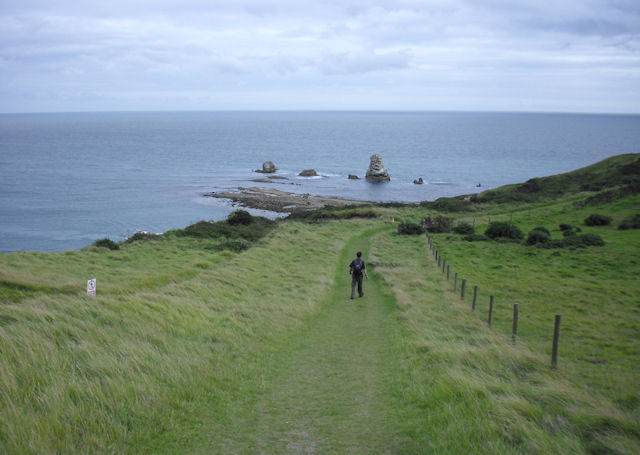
(182, 49)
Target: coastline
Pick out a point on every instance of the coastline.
(281, 201)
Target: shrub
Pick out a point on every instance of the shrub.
(542, 229)
(537, 236)
(595, 219)
(439, 224)
(142, 236)
(240, 217)
(464, 229)
(577, 241)
(475, 238)
(632, 222)
(408, 228)
(107, 243)
(591, 240)
(568, 230)
(501, 229)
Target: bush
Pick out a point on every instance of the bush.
(591, 240)
(537, 236)
(142, 236)
(568, 230)
(577, 241)
(501, 229)
(107, 243)
(542, 229)
(239, 217)
(595, 219)
(475, 238)
(409, 228)
(632, 222)
(439, 224)
(464, 229)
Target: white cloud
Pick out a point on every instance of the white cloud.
(62, 55)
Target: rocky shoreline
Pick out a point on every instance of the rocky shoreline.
(280, 201)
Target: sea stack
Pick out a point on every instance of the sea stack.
(376, 171)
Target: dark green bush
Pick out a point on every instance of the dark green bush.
(542, 229)
(333, 213)
(240, 217)
(591, 240)
(209, 229)
(107, 243)
(464, 229)
(408, 228)
(475, 238)
(537, 236)
(568, 230)
(142, 236)
(439, 224)
(501, 229)
(449, 204)
(595, 219)
(632, 222)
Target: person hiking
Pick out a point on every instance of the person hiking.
(357, 269)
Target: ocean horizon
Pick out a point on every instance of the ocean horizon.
(68, 179)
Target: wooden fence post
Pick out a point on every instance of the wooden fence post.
(464, 286)
(514, 328)
(475, 297)
(490, 310)
(455, 282)
(443, 263)
(439, 260)
(448, 272)
(556, 339)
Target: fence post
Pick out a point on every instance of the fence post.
(439, 261)
(443, 263)
(475, 297)
(448, 272)
(464, 286)
(455, 282)
(556, 339)
(490, 310)
(514, 329)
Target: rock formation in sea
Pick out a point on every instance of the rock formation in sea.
(353, 177)
(308, 173)
(267, 168)
(376, 171)
(418, 181)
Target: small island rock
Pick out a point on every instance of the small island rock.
(353, 177)
(267, 167)
(418, 181)
(308, 173)
(376, 171)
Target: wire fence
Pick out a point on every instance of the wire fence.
(591, 360)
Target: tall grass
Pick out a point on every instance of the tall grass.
(170, 337)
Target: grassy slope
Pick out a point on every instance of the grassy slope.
(184, 341)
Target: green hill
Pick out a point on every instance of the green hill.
(613, 172)
(239, 337)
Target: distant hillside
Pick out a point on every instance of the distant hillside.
(617, 171)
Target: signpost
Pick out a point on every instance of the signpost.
(91, 287)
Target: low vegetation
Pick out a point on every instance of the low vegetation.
(238, 336)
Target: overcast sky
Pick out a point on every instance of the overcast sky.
(496, 55)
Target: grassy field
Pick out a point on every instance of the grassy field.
(236, 343)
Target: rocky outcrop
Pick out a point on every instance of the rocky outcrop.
(308, 173)
(376, 171)
(418, 181)
(353, 177)
(267, 168)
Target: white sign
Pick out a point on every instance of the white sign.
(91, 287)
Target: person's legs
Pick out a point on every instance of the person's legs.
(360, 292)
(353, 286)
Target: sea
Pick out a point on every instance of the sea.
(69, 179)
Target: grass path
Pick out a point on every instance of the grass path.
(327, 391)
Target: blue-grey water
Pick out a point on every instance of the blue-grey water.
(69, 179)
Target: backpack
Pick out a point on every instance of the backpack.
(358, 265)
